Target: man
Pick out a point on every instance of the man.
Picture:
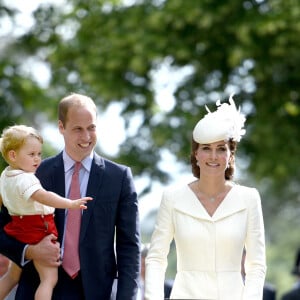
(269, 292)
(294, 293)
(112, 216)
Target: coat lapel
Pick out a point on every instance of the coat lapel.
(188, 204)
(232, 203)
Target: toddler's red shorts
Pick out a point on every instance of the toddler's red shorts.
(31, 229)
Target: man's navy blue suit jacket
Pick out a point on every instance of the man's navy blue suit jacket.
(114, 208)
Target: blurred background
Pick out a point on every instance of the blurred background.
(151, 66)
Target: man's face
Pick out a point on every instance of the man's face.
(79, 132)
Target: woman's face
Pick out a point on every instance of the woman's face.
(213, 158)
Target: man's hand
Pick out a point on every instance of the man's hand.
(46, 252)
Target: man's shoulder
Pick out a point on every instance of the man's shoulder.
(108, 163)
(52, 159)
(49, 163)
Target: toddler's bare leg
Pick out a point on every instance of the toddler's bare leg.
(48, 277)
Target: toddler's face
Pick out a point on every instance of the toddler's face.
(29, 156)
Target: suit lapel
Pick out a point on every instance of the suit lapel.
(94, 183)
(58, 178)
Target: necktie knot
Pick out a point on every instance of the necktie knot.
(77, 167)
(75, 184)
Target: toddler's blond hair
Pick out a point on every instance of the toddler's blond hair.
(14, 137)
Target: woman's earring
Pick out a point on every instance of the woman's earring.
(197, 163)
(228, 165)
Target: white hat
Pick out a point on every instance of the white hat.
(221, 125)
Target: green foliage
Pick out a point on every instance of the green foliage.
(109, 51)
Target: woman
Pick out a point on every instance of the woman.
(211, 220)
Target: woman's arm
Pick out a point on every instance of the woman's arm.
(156, 261)
(255, 263)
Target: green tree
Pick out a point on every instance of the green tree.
(22, 99)
(113, 52)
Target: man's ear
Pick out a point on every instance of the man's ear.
(60, 126)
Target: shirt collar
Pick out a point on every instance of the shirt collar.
(69, 162)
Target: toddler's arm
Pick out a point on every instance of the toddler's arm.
(54, 200)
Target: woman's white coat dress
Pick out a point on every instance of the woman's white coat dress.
(209, 248)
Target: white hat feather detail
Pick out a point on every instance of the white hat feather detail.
(225, 123)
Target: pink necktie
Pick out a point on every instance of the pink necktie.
(71, 262)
